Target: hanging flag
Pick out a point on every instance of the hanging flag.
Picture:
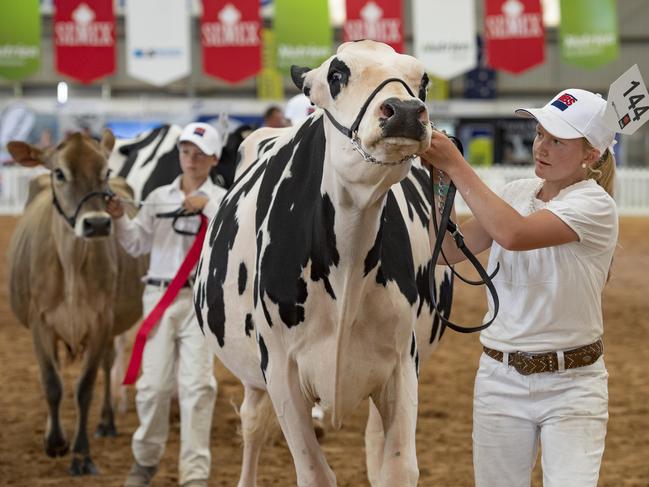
(230, 39)
(379, 20)
(444, 36)
(514, 34)
(157, 40)
(84, 37)
(303, 33)
(588, 32)
(20, 38)
(270, 84)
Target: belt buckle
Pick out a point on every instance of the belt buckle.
(522, 362)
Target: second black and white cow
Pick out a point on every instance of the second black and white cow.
(312, 286)
(151, 159)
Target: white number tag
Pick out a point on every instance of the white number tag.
(628, 102)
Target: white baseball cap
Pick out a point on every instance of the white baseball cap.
(205, 136)
(573, 114)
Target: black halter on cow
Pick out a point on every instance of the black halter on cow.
(312, 286)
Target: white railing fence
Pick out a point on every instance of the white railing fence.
(632, 187)
(14, 187)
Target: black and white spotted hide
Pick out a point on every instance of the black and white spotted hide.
(313, 278)
(151, 159)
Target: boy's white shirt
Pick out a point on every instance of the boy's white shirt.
(148, 234)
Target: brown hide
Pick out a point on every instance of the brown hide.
(70, 280)
(56, 278)
(36, 269)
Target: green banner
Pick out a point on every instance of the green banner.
(438, 88)
(481, 151)
(588, 32)
(303, 33)
(270, 84)
(20, 38)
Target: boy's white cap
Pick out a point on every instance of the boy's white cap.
(205, 136)
(572, 114)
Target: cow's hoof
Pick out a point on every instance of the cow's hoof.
(56, 446)
(82, 466)
(105, 431)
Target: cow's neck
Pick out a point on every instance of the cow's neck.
(358, 197)
(358, 205)
(88, 266)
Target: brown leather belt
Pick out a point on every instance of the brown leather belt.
(533, 363)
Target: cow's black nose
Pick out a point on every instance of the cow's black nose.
(403, 118)
(96, 226)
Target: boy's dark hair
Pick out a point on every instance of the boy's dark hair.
(270, 110)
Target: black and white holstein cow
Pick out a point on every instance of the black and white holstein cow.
(151, 159)
(312, 286)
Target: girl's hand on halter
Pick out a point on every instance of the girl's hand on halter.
(441, 153)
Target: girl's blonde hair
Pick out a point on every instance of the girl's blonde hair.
(603, 171)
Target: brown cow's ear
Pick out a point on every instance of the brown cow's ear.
(107, 141)
(25, 154)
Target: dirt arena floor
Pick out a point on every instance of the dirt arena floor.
(444, 425)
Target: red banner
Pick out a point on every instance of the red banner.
(84, 37)
(514, 34)
(379, 20)
(230, 36)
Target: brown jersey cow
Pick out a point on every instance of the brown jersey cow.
(70, 281)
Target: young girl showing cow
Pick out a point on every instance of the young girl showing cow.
(542, 378)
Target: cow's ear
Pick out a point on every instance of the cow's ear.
(297, 75)
(107, 141)
(26, 154)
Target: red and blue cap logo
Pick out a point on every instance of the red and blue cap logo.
(200, 131)
(564, 101)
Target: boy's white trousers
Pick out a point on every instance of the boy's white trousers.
(175, 353)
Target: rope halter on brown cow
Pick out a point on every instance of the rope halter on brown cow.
(72, 220)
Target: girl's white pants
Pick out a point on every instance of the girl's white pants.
(564, 412)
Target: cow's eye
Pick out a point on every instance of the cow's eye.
(335, 77)
(59, 174)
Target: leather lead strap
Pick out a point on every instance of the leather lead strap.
(447, 225)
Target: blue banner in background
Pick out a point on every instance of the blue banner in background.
(480, 82)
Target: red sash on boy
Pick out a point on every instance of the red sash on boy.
(167, 298)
